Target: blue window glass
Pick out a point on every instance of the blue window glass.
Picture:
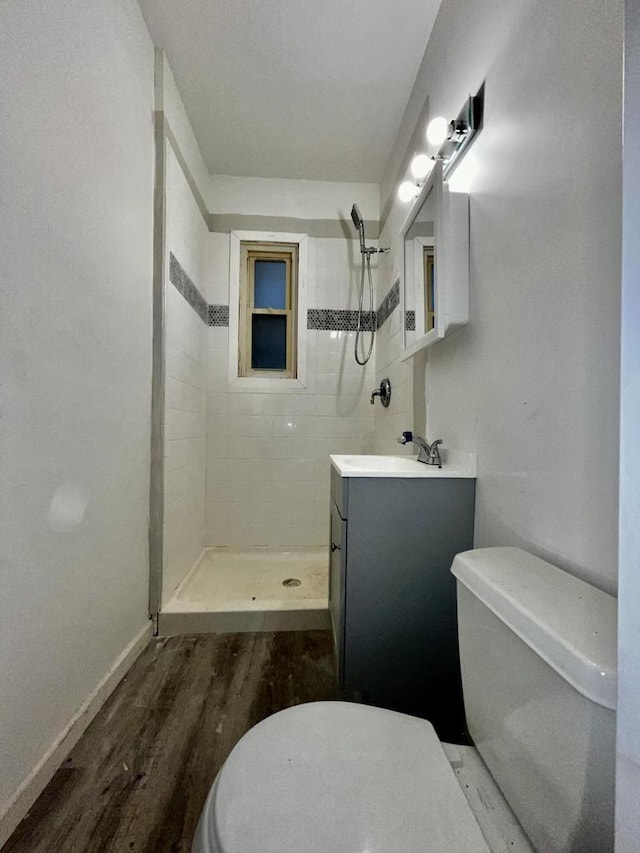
(270, 284)
(269, 342)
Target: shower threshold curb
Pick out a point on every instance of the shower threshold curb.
(231, 622)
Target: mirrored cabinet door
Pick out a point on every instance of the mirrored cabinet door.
(420, 271)
(436, 259)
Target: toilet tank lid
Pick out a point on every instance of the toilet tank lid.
(569, 623)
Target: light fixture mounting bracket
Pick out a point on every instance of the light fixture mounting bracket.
(462, 130)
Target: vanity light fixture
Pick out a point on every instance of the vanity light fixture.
(455, 137)
(452, 139)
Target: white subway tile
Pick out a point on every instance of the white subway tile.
(296, 468)
(252, 469)
(239, 404)
(284, 426)
(219, 470)
(179, 424)
(217, 522)
(305, 405)
(313, 427)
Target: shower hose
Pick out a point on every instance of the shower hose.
(366, 261)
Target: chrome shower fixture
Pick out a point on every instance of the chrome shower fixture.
(358, 221)
(366, 252)
(459, 132)
(384, 392)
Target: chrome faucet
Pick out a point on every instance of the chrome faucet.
(427, 453)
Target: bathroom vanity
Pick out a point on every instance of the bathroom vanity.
(396, 525)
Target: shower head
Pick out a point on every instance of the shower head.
(358, 221)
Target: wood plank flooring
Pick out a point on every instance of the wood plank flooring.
(137, 780)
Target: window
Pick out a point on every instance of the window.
(268, 273)
(430, 288)
(268, 310)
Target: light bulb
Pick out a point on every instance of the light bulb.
(437, 131)
(407, 191)
(421, 166)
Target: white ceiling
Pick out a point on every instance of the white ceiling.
(309, 89)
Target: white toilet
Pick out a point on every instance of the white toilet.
(538, 655)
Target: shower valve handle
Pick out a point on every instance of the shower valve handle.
(384, 392)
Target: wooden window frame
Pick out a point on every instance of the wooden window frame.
(260, 383)
(250, 252)
(429, 288)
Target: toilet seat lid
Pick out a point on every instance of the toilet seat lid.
(336, 777)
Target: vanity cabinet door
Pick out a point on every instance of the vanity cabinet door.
(337, 576)
(400, 632)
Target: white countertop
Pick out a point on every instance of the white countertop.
(454, 464)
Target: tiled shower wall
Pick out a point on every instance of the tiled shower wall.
(185, 381)
(267, 453)
(264, 455)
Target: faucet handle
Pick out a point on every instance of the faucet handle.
(384, 392)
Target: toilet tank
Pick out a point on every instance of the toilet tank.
(538, 659)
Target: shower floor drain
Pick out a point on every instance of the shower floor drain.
(291, 582)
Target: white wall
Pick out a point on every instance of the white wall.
(267, 454)
(180, 127)
(628, 760)
(76, 183)
(186, 385)
(295, 198)
(531, 384)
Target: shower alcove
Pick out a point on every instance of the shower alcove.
(242, 498)
(246, 478)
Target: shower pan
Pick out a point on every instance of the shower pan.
(253, 589)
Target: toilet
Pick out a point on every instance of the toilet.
(538, 658)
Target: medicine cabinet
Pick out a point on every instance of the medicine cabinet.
(435, 237)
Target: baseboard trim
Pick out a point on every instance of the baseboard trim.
(40, 776)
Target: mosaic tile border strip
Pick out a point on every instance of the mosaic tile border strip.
(322, 319)
(211, 315)
(184, 285)
(389, 303)
(218, 315)
(330, 320)
(327, 319)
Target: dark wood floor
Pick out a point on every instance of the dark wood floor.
(138, 778)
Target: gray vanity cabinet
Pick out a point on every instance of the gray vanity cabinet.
(392, 597)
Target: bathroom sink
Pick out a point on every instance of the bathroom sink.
(400, 466)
